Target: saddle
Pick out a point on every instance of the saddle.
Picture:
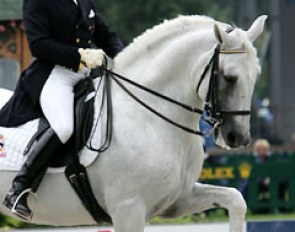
(67, 155)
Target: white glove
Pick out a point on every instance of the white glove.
(92, 58)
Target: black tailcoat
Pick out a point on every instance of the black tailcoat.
(55, 30)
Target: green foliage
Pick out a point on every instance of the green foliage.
(7, 222)
(220, 215)
(213, 215)
(130, 18)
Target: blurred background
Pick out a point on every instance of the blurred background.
(273, 109)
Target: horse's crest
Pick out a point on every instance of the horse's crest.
(2, 148)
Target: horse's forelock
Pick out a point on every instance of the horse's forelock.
(250, 49)
(239, 40)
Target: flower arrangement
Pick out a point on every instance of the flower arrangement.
(8, 31)
(8, 26)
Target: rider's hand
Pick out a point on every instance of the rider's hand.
(92, 58)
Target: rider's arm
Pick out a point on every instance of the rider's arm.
(37, 25)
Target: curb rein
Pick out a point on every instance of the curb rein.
(214, 114)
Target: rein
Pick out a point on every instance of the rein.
(188, 108)
(212, 107)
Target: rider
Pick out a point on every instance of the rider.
(60, 35)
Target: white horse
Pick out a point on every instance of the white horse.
(152, 167)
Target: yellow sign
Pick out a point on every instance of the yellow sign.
(245, 170)
(217, 173)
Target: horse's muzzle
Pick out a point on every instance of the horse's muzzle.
(235, 139)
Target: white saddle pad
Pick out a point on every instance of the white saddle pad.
(13, 141)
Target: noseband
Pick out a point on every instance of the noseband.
(212, 108)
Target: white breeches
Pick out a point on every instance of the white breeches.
(57, 100)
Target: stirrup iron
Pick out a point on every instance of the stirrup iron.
(15, 212)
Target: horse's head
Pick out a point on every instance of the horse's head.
(236, 69)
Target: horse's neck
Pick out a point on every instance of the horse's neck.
(171, 66)
(167, 65)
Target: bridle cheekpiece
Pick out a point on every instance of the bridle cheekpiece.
(214, 112)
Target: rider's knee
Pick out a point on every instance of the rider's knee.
(64, 132)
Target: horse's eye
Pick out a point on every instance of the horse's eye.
(231, 78)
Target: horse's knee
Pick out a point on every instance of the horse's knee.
(238, 203)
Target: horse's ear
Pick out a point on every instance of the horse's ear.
(217, 33)
(257, 27)
(221, 36)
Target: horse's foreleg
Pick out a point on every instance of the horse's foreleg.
(205, 197)
(128, 216)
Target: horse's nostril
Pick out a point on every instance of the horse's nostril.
(247, 141)
(234, 139)
(231, 138)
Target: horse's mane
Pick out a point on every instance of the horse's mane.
(170, 27)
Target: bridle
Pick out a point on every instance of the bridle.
(212, 112)
(212, 108)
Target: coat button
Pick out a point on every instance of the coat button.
(78, 40)
(77, 26)
(89, 28)
(89, 41)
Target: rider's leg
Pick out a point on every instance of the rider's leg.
(57, 104)
(57, 100)
(31, 173)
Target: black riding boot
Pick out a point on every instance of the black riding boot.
(31, 174)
